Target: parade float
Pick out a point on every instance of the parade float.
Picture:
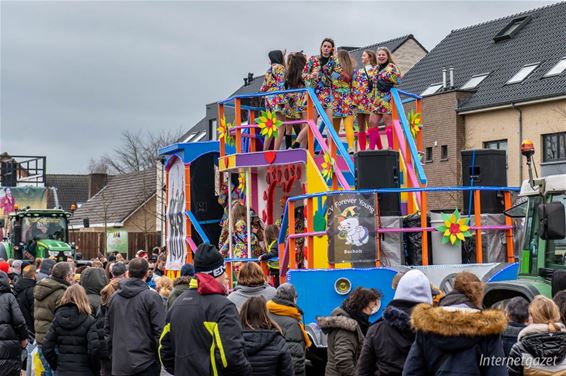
(357, 220)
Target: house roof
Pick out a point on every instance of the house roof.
(120, 198)
(196, 131)
(392, 45)
(472, 50)
(70, 189)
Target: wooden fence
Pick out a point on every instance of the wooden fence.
(90, 243)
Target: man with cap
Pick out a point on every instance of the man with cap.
(181, 284)
(203, 322)
(387, 343)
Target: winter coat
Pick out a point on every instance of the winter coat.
(24, 293)
(180, 286)
(453, 341)
(293, 331)
(268, 353)
(12, 329)
(93, 280)
(538, 352)
(65, 346)
(345, 341)
(509, 336)
(45, 269)
(388, 341)
(200, 323)
(96, 343)
(133, 325)
(241, 294)
(47, 295)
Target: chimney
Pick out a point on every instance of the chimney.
(250, 78)
(245, 81)
(96, 181)
(444, 77)
(451, 77)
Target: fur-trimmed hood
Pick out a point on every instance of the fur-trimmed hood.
(454, 328)
(339, 320)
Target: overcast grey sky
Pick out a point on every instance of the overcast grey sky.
(74, 75)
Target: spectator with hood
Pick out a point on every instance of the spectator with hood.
(134, 322)
(388, 341)
(452, 339)
(13, 332)
(517, 311)
(346, 328)
(202, 334)
(93, 280)
(181, 284)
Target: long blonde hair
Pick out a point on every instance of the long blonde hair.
(346, 62)
(164, 286)
(108, 290)
(544, 311)
(76, 294)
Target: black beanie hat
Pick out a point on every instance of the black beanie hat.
(208, 260)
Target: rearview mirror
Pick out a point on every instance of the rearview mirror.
(552, 221)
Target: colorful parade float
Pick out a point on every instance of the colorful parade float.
(357, 220)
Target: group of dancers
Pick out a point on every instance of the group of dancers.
(343, 91)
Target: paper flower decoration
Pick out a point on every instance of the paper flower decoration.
(242, 182)
(415, 124)
(268, 123)
(327, 166)
(223, 131)
(454, 229)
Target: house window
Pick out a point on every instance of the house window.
(428, 154)
(444, 152)
(523, 73)
(512, 28)
(474, 81)
(497, 145)
(199, 137)
(212, 125)
(432, 89)
(557, 69)
(189, 137)
(554, 147)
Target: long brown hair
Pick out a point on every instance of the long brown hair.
(108, 290)
(295, 65)
(329, 40)
(251, 275)
(372, 57)
(346, 62)
(253, 315)
(271, 234)
(544, 311)
(76, 294)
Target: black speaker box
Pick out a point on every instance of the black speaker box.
(484, 167)
(380, 169)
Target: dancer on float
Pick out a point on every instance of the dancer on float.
(274, 80)
(342, 91)
(362, 87)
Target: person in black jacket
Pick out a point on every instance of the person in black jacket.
(202, 334)
(266, 348)
(389, 340)
(24, 293)
(457, 338)
(65, 346)
(134, 322)
(13, 331)
(93, 280)
(517, 311)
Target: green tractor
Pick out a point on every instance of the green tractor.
(37, 233)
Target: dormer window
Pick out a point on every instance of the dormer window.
(474, 81)
(557, 69)
(512, 28)
(523, 73)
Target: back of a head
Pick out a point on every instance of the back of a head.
(108, 290)
(360, 298)
(544, 311)
(517, 310)
(276, 57)
(118, 269)
(286, 291)
(61, 270)
(76, 295)
(253, 315)
(251, 275)
(138, 267)
(46, 266)
(29, 271)
(414, 286)
(560, 300)
(471, 286)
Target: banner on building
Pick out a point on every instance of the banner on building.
(116, 241)
(176, 218)
(351, 228)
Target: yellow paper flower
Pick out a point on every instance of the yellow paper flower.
(327, 166)
(268, 123)
(415, 124)
(242, 182)
(454, 229)
(221, 129)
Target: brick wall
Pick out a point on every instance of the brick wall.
(407, 55)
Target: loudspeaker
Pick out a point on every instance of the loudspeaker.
(380, 169)
(484, 167)
(86, 222)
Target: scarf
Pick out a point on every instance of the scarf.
(290, 311)
(361, 318)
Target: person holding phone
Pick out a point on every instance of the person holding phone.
(319, 72)
(386, 77)
(362, 88)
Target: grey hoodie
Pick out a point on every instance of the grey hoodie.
(243, 293)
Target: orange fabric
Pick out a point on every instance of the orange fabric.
(283, 310)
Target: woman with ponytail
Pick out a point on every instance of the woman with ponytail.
(274, 80)
(362, 88)
(541, 349)
(343, 106)
(295, 103)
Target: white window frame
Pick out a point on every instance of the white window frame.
(520, 76)
(475, 81)
(557, 69)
